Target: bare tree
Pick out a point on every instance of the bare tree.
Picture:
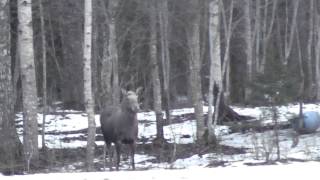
(300, 61)
(289, 34)
(193, 35)
(249, 47)
(220, 70)
(69, 39)
(109, 73)
(165, 55)
(266, 32)
(53, 46)
(257, 36)
(156, 86)
(10, 147)
(310, 89)
(28, 79)
(113, 51)
(215, 62)
(44, 71)
(227, 19)
(221, 110)
(106, 63)
(317, 58)
(88, 96)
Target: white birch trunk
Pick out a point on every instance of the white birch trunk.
(266, 33)
(215, 60)
(165, 56)
(227, 23)
(300, 60)
(88, 96)
(310, 83)
(257, 30)
(44, 72)
(248, 39)
(28, 79)
(227, 88)
(219, 69)
(156, 86)
(289, 40)
(317, 60)
(195, 67)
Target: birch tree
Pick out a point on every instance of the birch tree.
(317, 58)
(106, 63)
(215, 62)
(249, 47)
(156, 86)
(28, 80)
(290, 30)
(227, 19)
(193, 34)
(165, 55)
(310, 88)
(88, 96)
(257, 31)
(109, 74)
(266, 32)
(113, 51)
(219, 103)
(9, 147)
(220, 67)
(44, 70)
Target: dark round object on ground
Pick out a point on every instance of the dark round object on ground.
(309, 123)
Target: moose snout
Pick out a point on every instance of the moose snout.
(136, 109)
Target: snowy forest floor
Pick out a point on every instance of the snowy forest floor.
(240, 143)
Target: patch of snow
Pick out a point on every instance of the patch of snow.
(194, 161)
(68, 125)
(287, 171)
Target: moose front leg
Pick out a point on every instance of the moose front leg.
(132, 152)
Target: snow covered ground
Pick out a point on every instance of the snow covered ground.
(68, 124)
(294, 171)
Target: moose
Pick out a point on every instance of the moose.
(119, 125)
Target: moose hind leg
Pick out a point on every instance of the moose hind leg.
(109, 148)
(117, 144)
(104, 156)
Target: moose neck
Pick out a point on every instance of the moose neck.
(126, 109)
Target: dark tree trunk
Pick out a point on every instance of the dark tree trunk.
(10, 146)
(227, 114)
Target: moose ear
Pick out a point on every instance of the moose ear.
(123, 92)
(138, 90)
